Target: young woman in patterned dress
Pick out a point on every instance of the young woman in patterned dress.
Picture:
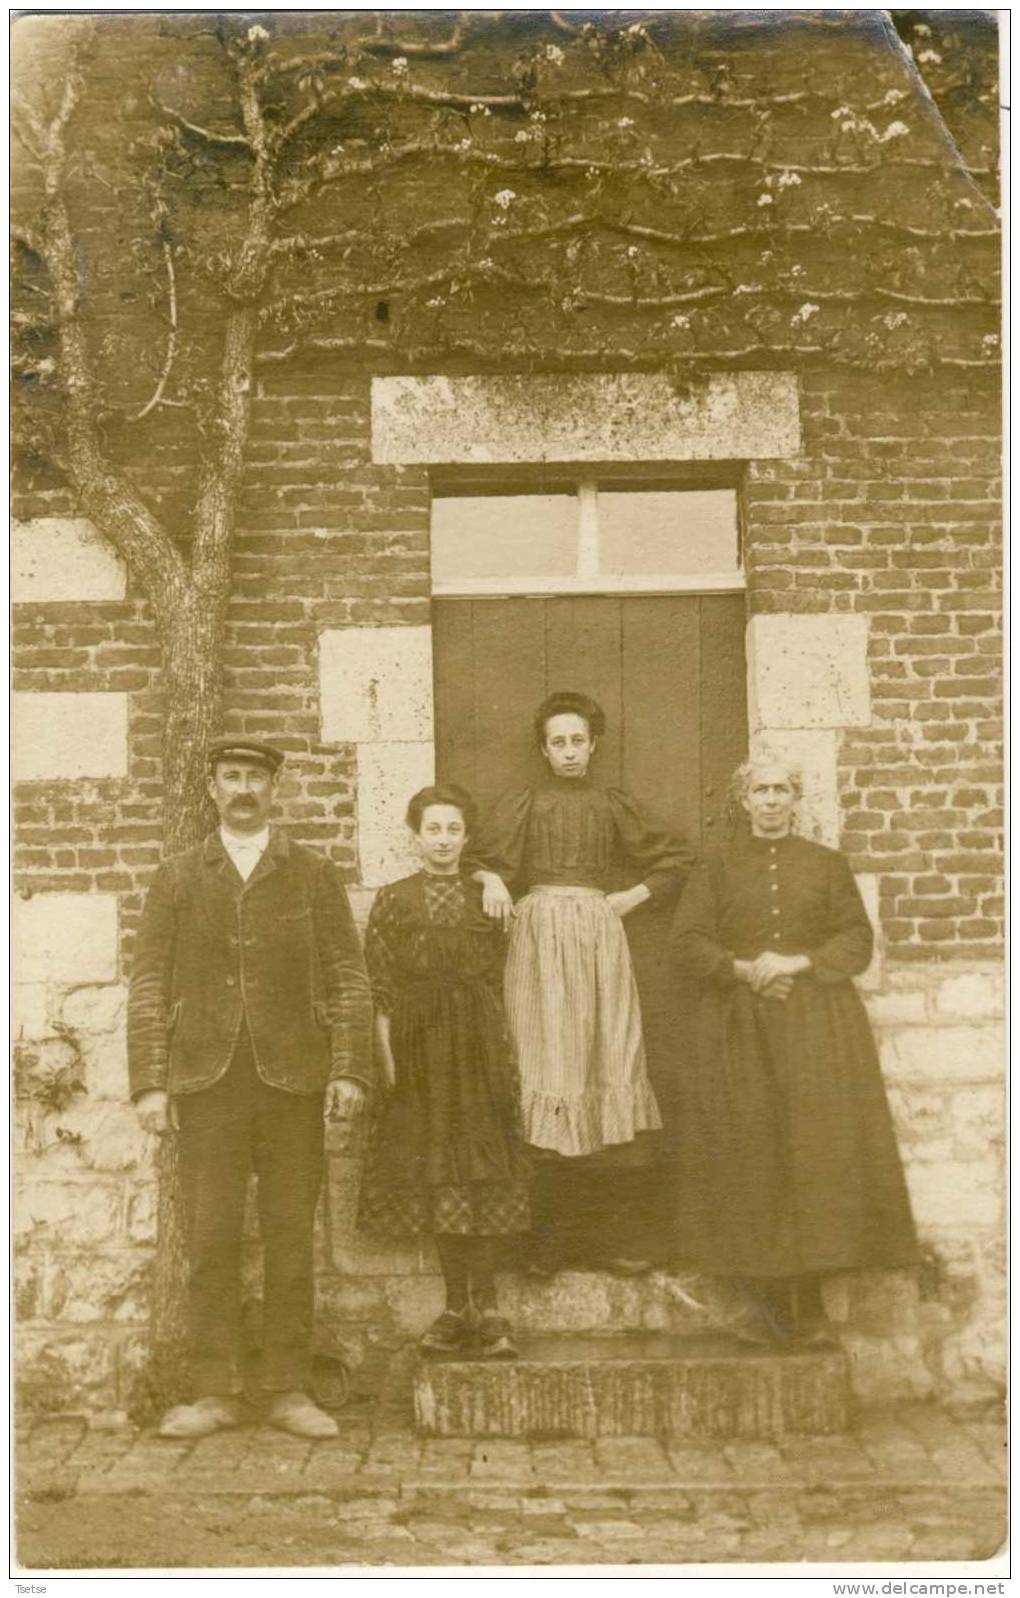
(445, 1158)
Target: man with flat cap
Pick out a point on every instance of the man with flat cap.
(249, 1022)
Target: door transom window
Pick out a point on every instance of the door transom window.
(585, 537)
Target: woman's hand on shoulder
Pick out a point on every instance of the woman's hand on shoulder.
(496, 899)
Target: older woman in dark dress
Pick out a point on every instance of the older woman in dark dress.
(790, 1168)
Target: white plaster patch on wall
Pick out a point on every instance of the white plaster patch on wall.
(63, 558)
(64, 736)
(808, 671)
(607, 417)
(375, 684)
(814, 754)
(388, 774)
(65, 937)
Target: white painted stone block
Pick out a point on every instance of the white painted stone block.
(944, 1054)
(95, 1007)
(608, 417)
(948, 1195)
(63, 558)
(375, 684)
(896, 1009)
(814, 754)
(63, 736)
(73, 1214)
(808, 671)
(971, 993)
(388, 774)
(65, 937)
(30, 1010)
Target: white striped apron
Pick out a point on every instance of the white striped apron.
(575, 1018)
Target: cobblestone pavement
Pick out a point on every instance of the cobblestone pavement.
(907, 1483)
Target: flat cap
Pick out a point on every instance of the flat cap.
(237, 748)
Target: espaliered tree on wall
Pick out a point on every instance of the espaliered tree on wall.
(201, 198)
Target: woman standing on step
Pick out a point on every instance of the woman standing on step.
(572, 1001)
(445, 1156)
(789, 1168)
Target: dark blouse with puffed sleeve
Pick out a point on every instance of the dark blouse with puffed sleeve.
(568, 832)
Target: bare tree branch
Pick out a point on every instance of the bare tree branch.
(171, 345)
(230, 141)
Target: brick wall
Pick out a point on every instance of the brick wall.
(892, 512)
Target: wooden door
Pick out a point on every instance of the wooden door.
(669, 672)
(667, 669)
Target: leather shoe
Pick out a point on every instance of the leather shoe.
(202, 1418)
(297, 1414)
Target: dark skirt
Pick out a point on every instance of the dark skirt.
(445, 1153)
(787, 1160)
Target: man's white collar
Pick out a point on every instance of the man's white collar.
(245, 840)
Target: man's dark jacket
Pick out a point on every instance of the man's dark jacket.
(279, 950)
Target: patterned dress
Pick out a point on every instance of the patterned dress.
(571, 997)
(788, 1161)
(444, 1154)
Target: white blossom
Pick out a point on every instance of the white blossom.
(895, 130)
(632, 250)
(625, 122)
(399, 65)
(894, 319)
(893, 96)
(990, 342)
(434, 304)
(931, 56)
(522, 136)
(764, 199)
(804, 314)
(554, 54)
(355, 83)
(504, 198)
(788, 180)
(257, 35)
(744, 288)
(922, 30)
(797, 271)
(679, 320)
(841, 111)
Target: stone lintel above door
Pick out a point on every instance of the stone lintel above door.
(623, 416)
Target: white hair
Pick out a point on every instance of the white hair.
(741, 780)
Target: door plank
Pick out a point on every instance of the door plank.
(723, 707)
(582, 639)
(661, 668)
(455, 689)
(510, 677)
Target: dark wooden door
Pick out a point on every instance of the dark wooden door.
(669, 672)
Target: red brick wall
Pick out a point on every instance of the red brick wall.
(893, 512)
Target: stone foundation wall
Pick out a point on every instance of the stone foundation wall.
(84, 1219)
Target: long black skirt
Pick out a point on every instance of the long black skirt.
(787, 1160)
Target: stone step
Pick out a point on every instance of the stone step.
(597, 1301)
(635, 1385)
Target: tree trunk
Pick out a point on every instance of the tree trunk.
(192, 688)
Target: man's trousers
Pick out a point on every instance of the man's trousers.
(237, 1126)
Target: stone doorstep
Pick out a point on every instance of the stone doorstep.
(635, 1385)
